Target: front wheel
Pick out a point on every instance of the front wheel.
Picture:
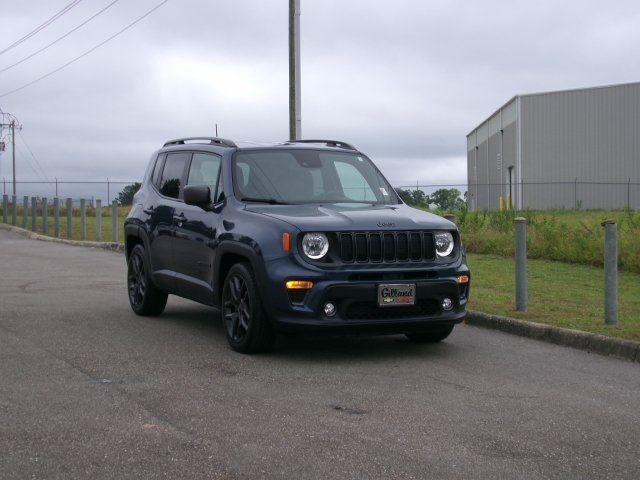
(246, 324)
(430, 337)
(144, 297)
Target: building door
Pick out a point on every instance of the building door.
(510, 181)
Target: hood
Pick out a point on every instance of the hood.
(348, 217)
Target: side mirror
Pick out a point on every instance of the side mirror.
(199, 195)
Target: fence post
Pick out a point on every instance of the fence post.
(25, 211)
(83, 219)
(98, 220)
(14, 210)
(45, 223)
(521, 264)
(5, 206)
(69, 218)
(114, 221)
(610, 272)
(56, 217)
(34, 214)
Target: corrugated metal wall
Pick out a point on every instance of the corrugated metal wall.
(579, 136)
(491, 150)
(574, 146)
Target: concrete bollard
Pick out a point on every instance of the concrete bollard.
(56, 217)
(83, 219)
(69, 203)
(5, 207)
(45, 221)
(14, 210)
(25, 211)
(521, 264)
(98, 220)
(114, 222)
(34, 214)
(610, 272)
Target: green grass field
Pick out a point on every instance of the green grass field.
(564, 235)
(562, 294)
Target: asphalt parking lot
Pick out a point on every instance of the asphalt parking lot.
(89, 390)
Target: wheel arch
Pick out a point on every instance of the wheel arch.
(230, 253)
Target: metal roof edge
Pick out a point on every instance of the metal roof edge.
(494, 112)
(533, 94)
(578, 89)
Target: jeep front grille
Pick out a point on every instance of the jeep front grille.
(363, 247)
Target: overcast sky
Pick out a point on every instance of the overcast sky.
(404, 81)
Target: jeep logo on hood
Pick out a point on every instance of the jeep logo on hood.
(386, 224)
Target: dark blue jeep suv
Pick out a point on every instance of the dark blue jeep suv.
(304, 235)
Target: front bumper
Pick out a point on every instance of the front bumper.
(354, 291)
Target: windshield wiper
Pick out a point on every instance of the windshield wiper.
(271, 201)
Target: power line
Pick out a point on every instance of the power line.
(85, 53)
(59, 38)
(32, 167)
(41, 26)
(24, 141)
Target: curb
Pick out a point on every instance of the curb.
(113, 246)
(591, 342)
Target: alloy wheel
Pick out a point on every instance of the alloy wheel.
(237, 308)
(137, 280)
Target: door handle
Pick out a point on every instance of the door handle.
(149, 211)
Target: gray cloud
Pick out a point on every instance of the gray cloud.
(404, 81)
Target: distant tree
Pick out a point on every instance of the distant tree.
(415, 198)
(405, 195)
(447, 199)
(125, 197)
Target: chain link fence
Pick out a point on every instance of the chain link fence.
(568, 195)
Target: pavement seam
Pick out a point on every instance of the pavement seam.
(591, 342)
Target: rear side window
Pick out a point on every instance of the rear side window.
(172, 173)
(157, 170)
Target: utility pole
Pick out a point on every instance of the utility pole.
(13, 153)
(295, 122)
(13, 124)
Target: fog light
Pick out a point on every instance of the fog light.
(329, 309)
(447, 304)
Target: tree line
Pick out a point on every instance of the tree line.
(447, 199)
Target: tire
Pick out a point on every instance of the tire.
(144, 297)
(246, 324)
(430, 337)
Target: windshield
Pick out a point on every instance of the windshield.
(309, 176)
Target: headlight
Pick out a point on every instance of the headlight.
(444, 243)
(315, 245)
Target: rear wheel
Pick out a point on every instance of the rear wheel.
(246, 324)
(144, 297)
(430, 337)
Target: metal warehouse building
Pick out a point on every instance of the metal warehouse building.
(568, 149)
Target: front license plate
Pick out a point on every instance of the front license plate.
(396, 295)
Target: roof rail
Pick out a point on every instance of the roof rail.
(328, 143)
(223, 142)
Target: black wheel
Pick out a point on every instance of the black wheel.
(247, 326)
(430, 337)
(144, 297)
